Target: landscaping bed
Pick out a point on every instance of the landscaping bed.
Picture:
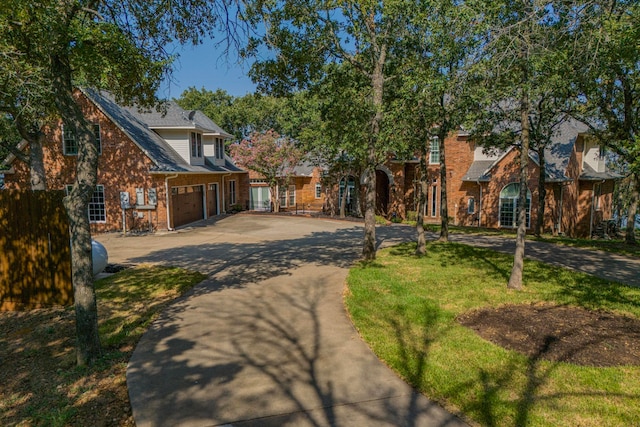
(564, 351)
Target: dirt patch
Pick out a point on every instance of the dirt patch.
(560, 333)
(40, 384)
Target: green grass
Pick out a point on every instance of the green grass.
(405, 308)
(131, 299)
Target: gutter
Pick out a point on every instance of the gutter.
(479, 203)
(166, 192)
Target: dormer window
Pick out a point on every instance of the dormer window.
(196, 144)
(219, 148)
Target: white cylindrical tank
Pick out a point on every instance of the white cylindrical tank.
(100, 257)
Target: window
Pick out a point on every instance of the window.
(350, 188)
(602, 152)
(232, 192)
(196, 144)
(292, 195)
(97, 210)
(318, 190)
(219, 148)
(283, 196)
(596, 196)
(434, 201)
(69, 143)
(96, 134)
(434, 151)
(1, 181)
(509, 206)
(471, 205)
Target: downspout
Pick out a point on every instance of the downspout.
(479, 204)
(224, 204)
(593, 200)
(166, 192)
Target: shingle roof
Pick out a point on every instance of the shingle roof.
(479, 171)
(556, 155)
(589, 174)
(137, 125)
(304, 168)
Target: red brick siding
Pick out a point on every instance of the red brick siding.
(122, 166)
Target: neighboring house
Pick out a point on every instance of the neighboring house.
(482, 188)
(302, 192)
(155, 171)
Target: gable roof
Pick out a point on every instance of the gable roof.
(138, 127)
(556, 155)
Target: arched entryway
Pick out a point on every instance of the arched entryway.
(382, 193)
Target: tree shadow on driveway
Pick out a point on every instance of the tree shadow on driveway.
(265, 340)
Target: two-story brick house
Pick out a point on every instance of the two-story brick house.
(482, 187)
(156, 170)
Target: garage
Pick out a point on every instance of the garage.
(187, 204)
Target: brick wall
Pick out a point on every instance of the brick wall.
(122, 167)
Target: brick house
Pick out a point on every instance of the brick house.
(155, 171)
(482, 187)
(303, 192)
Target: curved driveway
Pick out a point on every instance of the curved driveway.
(264, 340)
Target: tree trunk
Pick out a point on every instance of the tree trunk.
(421, 246)
(634, 186)
(31, 133)
(542, 193)
(377, 83)
(37, 173)
(515, 280)
(369, 245)
(444, 209)
(275, 197)
(76, 203)
(343, 197)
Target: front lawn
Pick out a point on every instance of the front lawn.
(409, 311)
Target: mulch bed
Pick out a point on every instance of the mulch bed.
(560, 333)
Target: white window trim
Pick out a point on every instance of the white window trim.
(318, 192)
(196, 149)
(291, 190)
(433, 203)
(471, 203)
(68, 188)
(219, 148)
(515, 211)
(431, 151)
(64, 142)
(232, 192)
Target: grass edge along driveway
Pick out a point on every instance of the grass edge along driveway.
(405, 308)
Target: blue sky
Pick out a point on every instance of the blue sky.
(205, 66)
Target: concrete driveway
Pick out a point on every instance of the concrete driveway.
(265, 339)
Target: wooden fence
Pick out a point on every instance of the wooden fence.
(35, 257)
